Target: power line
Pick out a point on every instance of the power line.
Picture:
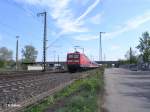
(53, 42)
(8, 27)
(30, 12)
(23, 9)
(11, 31)
(56, 40)
(27, 11)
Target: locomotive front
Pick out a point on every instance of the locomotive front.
(73, 61)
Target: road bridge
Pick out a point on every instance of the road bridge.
(109, 63)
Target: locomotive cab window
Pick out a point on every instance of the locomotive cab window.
(70, 56)
(76, 56)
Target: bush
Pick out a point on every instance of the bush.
(2, 64)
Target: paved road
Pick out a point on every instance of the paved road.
(127, 91)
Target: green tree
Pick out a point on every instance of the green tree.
(144, 46)
(131, 56)
(29, 53)
(2, 64)
(5, 56)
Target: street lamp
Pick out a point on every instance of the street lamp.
(100, 47)
(17, 37)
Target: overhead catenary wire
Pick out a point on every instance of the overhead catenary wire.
(26, 10)
(9, 27)
(30, 12)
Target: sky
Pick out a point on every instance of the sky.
(74, 23)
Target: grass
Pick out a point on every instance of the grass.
(85, 99)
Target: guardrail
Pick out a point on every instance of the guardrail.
(137, 67)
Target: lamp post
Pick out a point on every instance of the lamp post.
(17, 37)
(100, 47)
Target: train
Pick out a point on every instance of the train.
(77, 61)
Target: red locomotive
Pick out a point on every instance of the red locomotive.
(78, 61)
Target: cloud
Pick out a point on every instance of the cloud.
(89, 9)
(76, 25)
(58, 8)
(69, 26)
(115, 47)
(96, 19)
(30, 2)
(85, 37)
(131, 24)
(62, 14)
(82, 2)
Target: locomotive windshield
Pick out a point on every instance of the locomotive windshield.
(70, 56)
(75, 56)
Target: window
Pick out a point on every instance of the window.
(76, 56)
(70, 56)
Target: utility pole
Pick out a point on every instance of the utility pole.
(54, 57)
(104, 57)
(58, 59)
(17, 37)
(130, 55)
(83, 50)
(45, 38)
(100, 47)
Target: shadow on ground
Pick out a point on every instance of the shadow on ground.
(140, 82)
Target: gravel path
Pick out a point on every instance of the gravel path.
(127, 91)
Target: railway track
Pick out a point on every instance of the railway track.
(19, 92)
(22, 73)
